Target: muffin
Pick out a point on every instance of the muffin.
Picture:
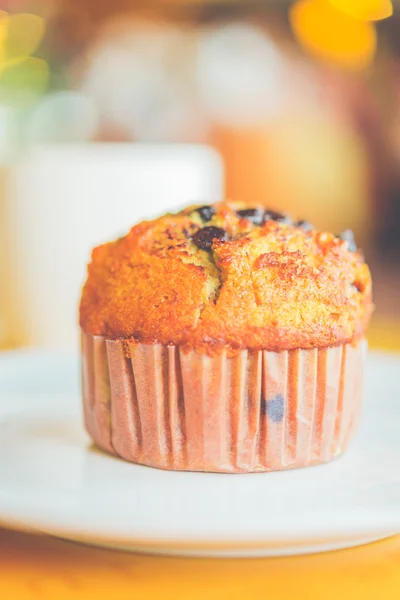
(225, 338)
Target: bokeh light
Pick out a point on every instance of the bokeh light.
(332, 35)
(63, 117)
(23, 77)
(367, 10)
(24, 35)
(241, 74)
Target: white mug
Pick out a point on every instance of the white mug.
(62, 200)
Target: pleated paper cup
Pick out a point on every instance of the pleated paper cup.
(168, 408)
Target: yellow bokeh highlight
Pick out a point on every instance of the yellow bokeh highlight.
(24, 35)
(366, 10)
(22, 77)
(3, 34)
(332, 35)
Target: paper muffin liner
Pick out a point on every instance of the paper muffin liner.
(256, 411)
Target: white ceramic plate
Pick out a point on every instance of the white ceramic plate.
(53, 480)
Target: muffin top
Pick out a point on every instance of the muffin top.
(227, 276)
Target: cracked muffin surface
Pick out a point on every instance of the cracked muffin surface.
(228, 276)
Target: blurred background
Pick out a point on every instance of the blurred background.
(114, 111)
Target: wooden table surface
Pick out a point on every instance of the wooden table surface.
(37, 566)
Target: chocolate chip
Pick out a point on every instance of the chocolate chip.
(203, 238)
(272, 215)
(275, 408)
(206, 213)
(255, 215)
(348, 236)
(305, 225)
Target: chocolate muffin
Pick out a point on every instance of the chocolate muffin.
(225, 338)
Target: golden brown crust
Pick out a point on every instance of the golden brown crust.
(270, 286)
